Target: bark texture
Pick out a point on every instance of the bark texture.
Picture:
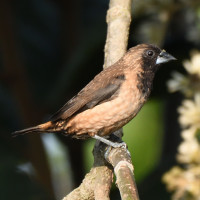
(118, 20)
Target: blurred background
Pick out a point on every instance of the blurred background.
(49, 50)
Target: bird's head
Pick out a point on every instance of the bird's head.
(150, 56)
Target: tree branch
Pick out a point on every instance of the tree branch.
(97, 183)
(118, 20)
(123, 168)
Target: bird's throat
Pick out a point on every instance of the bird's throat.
(145, 82)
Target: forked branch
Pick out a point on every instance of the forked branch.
(107, 161)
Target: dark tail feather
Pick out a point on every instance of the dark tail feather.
(27, 130)
(43, 128)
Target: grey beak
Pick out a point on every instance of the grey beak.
(164, 57)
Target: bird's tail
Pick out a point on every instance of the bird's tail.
(42, 128)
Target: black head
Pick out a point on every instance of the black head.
(146, 58)
(153, 56)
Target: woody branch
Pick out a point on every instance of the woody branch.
(97, 183)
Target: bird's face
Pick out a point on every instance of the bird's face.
(148, 56)
(153, 56)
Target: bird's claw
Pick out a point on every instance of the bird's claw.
(117, 145)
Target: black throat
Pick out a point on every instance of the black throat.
(145, 82)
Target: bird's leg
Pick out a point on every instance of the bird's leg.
(110, 143)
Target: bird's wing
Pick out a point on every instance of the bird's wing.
(101, 89)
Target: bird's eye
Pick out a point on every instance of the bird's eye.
(150, 53)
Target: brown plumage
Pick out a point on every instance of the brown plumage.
(111, 99)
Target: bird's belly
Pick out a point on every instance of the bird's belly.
(107, 117)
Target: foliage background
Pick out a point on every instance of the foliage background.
(48, 51)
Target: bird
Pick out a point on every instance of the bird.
(111, 99)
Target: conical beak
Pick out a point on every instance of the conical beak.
(164, 57)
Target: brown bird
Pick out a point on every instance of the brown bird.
(111, 99)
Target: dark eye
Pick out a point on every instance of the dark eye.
(150, 53)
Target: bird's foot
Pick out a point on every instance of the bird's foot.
(110, 143)
(108, 150)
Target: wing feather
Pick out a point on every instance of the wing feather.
(102, 88)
